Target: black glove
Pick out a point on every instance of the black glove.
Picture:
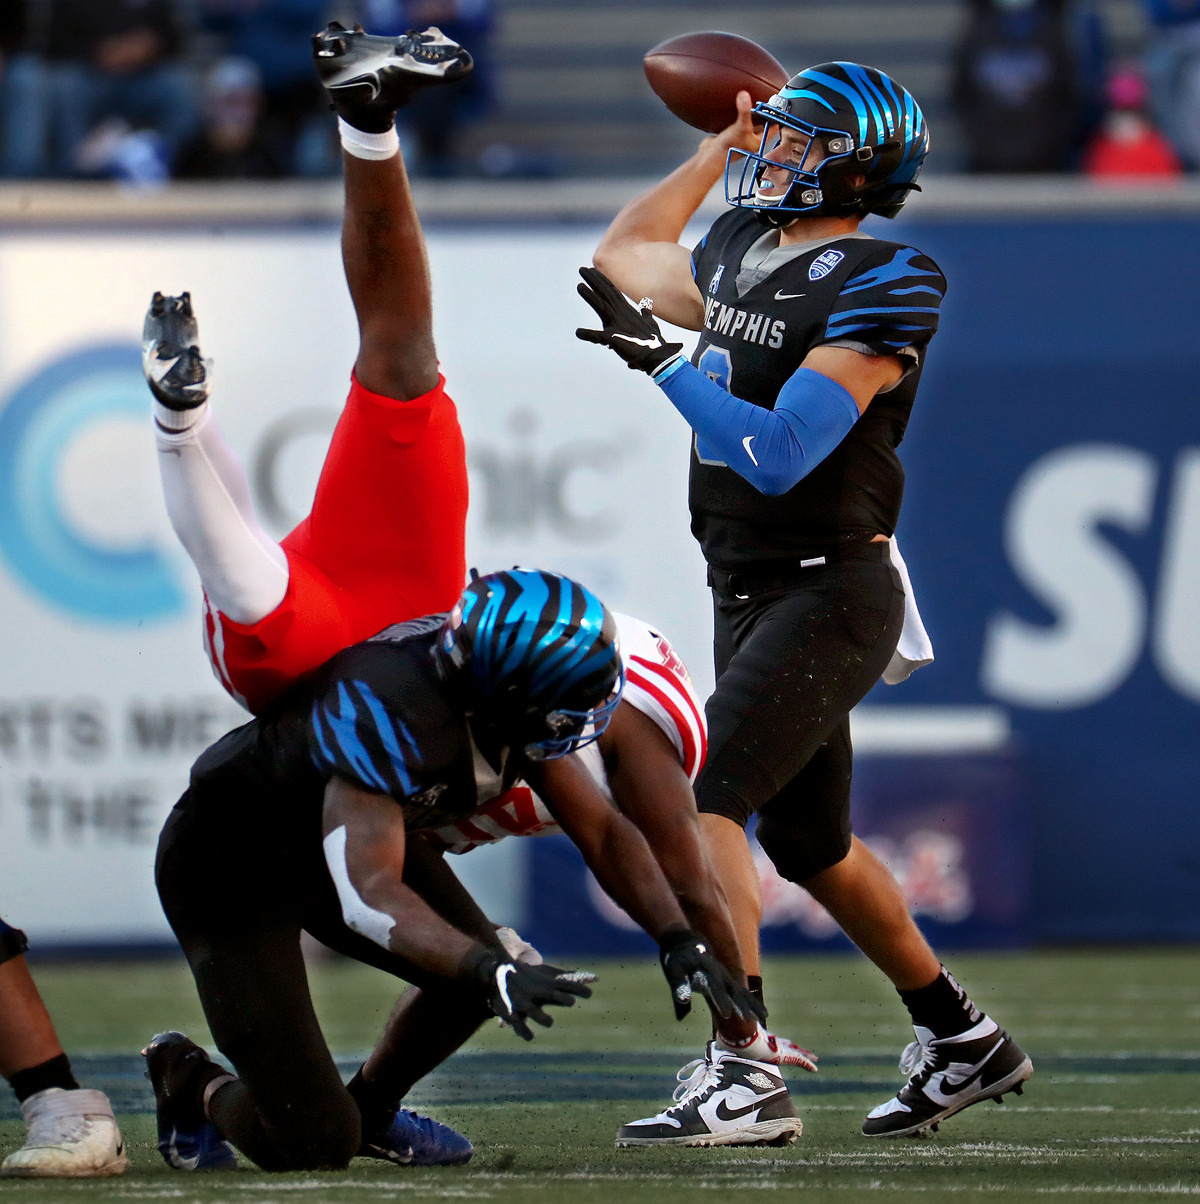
(516, 991)
(689, 966)
(628, 329)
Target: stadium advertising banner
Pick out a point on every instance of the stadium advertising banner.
(1053, 517)
(1038, 780)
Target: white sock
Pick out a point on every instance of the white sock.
(179, 420)
(364, 145)
(757, 1049)
(243, 570)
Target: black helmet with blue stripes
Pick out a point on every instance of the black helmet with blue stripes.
(535, 657)
(827, 126)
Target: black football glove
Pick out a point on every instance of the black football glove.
(517, 992)
(628, 329)
(690, 967)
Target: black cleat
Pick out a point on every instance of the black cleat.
(178, 1070)
(175, 371)
(948, 1075)
(379, 74)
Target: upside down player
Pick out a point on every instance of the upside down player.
(385, 538)
(386, 531)
(304, 820)
(813, 335)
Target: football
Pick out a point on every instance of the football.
(698, 76)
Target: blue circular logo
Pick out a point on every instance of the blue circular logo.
(37, 424)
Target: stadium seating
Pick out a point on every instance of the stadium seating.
(572, 98)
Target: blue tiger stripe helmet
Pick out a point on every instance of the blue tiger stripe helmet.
(858, 121)
(536, 658)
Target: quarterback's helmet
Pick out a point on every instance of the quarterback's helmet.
(535, 657)
(852, 120)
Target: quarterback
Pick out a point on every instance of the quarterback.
(813, 335)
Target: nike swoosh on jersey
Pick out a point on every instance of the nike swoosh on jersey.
(746, 444)
(955, 1088)
(723, 1113)
(788, 296)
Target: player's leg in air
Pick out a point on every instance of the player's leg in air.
(72, 1131)
(385, 538)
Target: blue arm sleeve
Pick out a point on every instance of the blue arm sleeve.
(772, 449)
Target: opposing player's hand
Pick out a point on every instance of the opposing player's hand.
(518, 993)
(787, 1053)
(691, 968)
(628, 329)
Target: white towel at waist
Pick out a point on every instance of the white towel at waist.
(914, 648)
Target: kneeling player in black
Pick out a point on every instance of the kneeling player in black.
(300, 821)
(812, 339)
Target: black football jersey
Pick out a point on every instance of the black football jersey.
(878, 297)
(377, 714)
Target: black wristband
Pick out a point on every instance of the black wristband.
(478, 965)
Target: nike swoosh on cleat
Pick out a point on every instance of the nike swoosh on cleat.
(178, 1160)
(956, 1088)
(746, 444)
(390, 1154)
(723, 1113)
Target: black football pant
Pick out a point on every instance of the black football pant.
(795, 650)
(238, 886)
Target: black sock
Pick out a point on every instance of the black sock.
(376, 1103)
(754, 984)
(943, 1007)
(54, 1073)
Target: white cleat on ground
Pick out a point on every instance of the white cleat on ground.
(722, 1099)
(72, 1135)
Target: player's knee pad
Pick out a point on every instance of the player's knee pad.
(13, 942)
(800, 851)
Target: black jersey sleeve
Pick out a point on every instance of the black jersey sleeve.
(890, 302)
(352, 734)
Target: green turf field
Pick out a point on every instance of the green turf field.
(1113, 1110)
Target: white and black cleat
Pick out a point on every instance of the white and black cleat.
(948, 1075)
(384, 73)
(72, 1135)
(722, 1099)
(175, 371)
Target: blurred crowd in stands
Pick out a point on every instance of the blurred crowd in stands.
(1035, 90)
(149, 90)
